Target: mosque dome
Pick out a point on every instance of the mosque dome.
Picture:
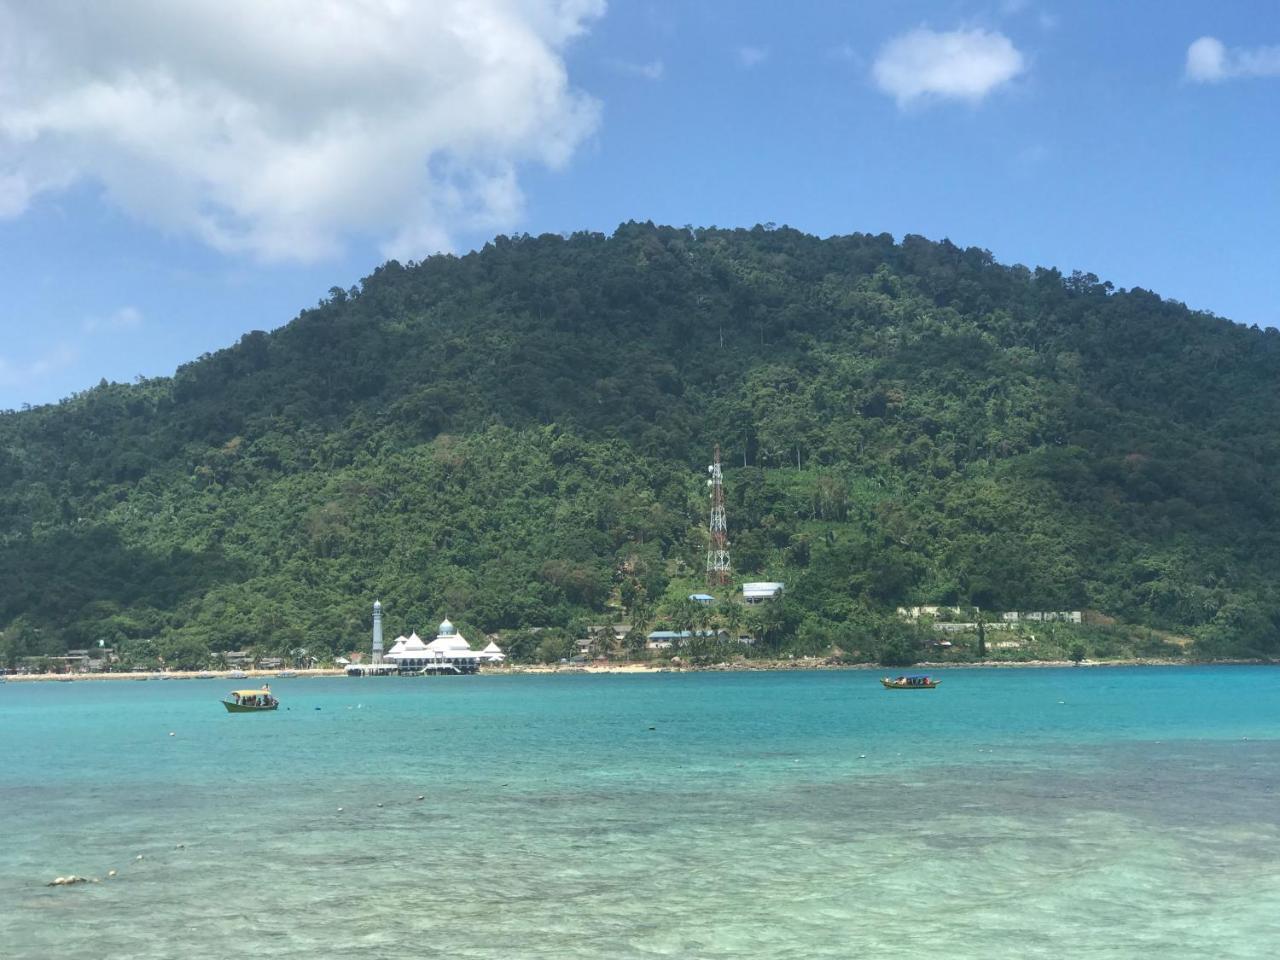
(446, 628)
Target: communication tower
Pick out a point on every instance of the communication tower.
(718, 548)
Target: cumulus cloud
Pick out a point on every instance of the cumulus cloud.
(125, 318)
(23, 372)
(653, 70)
(279, 129)
(956, 65)
(1210, 61)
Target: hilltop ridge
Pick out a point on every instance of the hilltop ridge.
(516, 437)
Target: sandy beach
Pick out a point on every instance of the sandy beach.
(738, 666)
(171, 675)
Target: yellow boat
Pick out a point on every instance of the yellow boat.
(250, 701)
(916, 682)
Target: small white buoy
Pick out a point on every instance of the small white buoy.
(172, 734)
(138, 857)
(111, 873)
(421, 797)
(862, 756)
(339, 809)
(379, 804)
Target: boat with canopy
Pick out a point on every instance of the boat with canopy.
(913, 682)
(250, 701)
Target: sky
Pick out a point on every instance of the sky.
(174, 175)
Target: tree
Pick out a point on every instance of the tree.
(897, 646)
(730, 615)
(634, 642)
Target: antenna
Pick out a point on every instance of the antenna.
(718, 572)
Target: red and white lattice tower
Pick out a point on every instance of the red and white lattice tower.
(718, 548)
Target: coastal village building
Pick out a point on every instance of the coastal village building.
(1045, 616)
(1008, 621)
(666, 639)
(759, 592)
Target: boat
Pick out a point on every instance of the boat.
(205, 676)
(912, 682)
(237, 675)
(286, 673)
(250, 701)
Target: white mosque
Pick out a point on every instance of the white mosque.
(449, 652)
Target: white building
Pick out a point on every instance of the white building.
(761, 591)
(449, 652)
(915, 613)
(1045, 616)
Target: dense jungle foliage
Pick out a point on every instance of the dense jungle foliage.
(517, 438)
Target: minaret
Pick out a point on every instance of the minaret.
(377, 631)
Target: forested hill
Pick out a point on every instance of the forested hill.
(518, 437)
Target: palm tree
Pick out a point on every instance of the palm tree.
(731, 616)
(772, 621)
(754, 624)
(634, 641)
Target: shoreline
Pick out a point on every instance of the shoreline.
(742, 666)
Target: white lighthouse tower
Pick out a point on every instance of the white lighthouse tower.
(377, 631)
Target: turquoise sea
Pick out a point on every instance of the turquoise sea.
(1109, 812)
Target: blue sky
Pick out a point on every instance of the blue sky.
(170, 180)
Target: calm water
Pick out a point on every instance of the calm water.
(1010, 813)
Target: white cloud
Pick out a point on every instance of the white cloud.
(125, 318)
(29, 371)
(1209, 61)
(752, 56)
(653, 70)
(1044, 18)
(846, 52)
(958, 65)
(280, 129)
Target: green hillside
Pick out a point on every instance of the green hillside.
(518, 438)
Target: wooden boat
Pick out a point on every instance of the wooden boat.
(250, 701)
(914, 682)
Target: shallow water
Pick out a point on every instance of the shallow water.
(1009, 813)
